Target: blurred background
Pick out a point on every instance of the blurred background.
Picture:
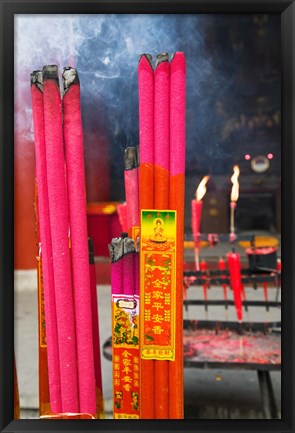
(233, 117)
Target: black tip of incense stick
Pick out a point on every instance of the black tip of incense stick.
(116, 249)
(130, 158)
(161, 57)
(128, 245)
(149, 58)
(91, 251)
(69, 76)
(37, 79)
(50, 72)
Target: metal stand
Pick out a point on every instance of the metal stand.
(267, 395)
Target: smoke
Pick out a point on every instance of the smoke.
(106, 48)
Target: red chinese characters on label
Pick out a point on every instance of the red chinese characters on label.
(126, 384)
(158, 285)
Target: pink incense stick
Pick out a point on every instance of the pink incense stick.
(116, 250)
(73, 137)
(59, 225)
(95, 326)
(116, 254)
(146, 200)
(146, 131)
(136, 267)
(162, 157)
(131, 187)
(177, 113)
(45, 237)
(128, 266)
(177, 186)
(122, 215)
(162, 131)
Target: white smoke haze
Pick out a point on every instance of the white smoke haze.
(105, 49)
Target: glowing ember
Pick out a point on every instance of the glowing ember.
(201, 190)
(235, 188)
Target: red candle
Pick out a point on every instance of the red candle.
(235, 278)
(196, 218)
(197, 205)
(233, 200)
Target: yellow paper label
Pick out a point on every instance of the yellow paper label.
(125, 356)
(157, 284)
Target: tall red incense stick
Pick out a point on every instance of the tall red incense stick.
(131, 189)
(146, 131)
(117, 284)
(162, 163)
(176, 201)
(59, 225)
(45, 236)
(122, 214)
(136, 268)
(146, 200)
(95, 331)
(73, 137)
(116, 254)
(128, 267)
(130, 288)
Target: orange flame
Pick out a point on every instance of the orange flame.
(235, 188)
(201, 190)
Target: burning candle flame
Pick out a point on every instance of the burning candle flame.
(235, 188)
(201, 190)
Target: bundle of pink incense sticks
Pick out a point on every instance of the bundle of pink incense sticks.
(125, 330)
(74, 371)
(161, 180)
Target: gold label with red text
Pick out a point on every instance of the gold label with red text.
(157, 284)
